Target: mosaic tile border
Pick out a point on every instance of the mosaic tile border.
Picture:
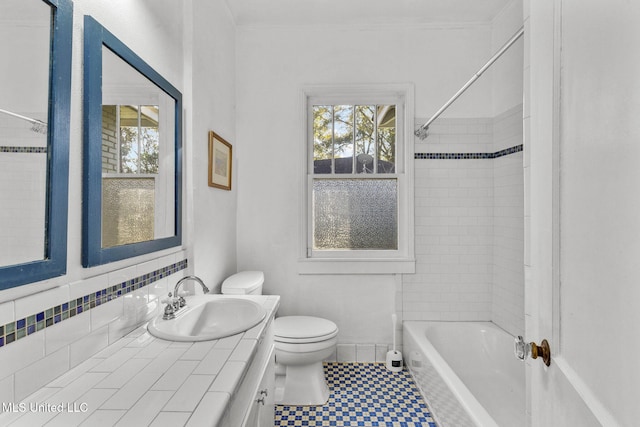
(458, 156)
(37, 150)
(13, 331)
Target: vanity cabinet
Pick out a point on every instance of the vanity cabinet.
(252, 405)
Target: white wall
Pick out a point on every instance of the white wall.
(506, 71)
(212, 69)
(273, 64)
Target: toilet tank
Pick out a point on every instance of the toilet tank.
(244, 283)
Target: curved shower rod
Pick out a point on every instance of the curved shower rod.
(36, 125)
(423, 130)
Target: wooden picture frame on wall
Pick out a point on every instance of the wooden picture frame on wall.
(220, 162)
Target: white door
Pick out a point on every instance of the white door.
(582, 210)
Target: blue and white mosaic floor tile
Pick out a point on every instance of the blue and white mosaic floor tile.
(362, 394)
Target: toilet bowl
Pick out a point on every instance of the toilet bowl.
(301, 344)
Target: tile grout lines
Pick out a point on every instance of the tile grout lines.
(362, 394)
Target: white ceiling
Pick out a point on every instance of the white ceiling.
(363, 12)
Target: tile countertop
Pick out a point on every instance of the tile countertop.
(141, 380)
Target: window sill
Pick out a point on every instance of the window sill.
(356, 266)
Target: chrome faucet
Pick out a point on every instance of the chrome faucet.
(181, 300)
(175, 302)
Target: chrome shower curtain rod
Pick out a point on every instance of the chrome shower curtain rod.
(37, 125)
(423, 130)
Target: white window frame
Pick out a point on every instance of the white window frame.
(397, 261)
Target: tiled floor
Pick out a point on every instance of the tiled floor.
(362, 394)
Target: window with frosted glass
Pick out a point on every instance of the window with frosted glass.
(354, 188)
(358, 214)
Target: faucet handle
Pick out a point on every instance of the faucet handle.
(169, 309)
(168, 300)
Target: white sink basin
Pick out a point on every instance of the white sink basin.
(208, 317)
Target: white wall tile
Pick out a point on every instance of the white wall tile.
(40, 373)
(7, 390)
(35, 303)
(346, 353)
(106, 313)
(122, 275)
(7, 312)
(64, 333)
(21, 353)
(84, 287)
(81, 350)
(366, 353)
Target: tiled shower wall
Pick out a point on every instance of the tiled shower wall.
(508, 225)
(469, 223)
(45, 334)
(23, 172)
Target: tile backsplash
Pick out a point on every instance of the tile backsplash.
(45, 334)
(20, 328)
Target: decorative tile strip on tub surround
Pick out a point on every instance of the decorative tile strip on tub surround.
(37, 150)
(13, 331)
(457, 156)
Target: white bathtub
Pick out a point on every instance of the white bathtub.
(467, 373)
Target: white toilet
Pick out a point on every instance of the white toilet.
(301, 344)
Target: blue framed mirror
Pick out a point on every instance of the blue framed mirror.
(35, 44)
(132, 153)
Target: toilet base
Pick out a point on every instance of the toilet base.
(302, 385)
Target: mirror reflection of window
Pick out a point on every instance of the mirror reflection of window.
(137, 156)
(131, 141)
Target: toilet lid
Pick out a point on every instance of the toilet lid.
(302, 329)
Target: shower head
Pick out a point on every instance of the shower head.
(422, 132)
(39, 127)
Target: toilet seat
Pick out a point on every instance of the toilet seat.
(303, 329)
